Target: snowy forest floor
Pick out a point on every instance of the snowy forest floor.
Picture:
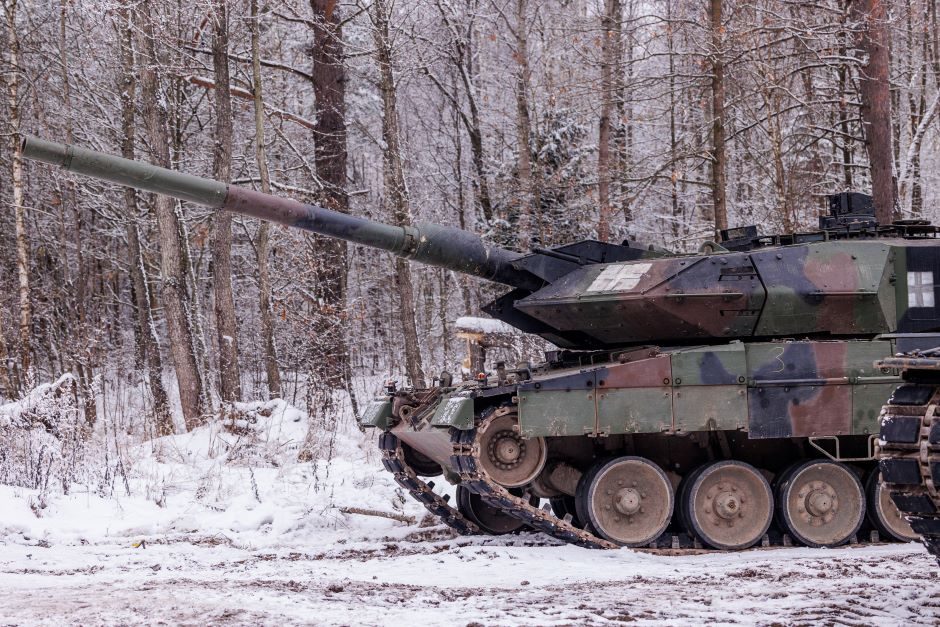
(462, 582)
(236, 531)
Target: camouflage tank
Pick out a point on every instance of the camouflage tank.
(725, 398)
(909, 447)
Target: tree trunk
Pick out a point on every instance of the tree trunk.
(529, 225)
(624, 134)
(172, 260)
(871, 36)
(843, 73)
(7, 388)
(329, 83)
(462, 280)
(396, 194)
(82, 350)
(611, 52)
(16, 153)
(719, 163)
(475, 132)
(149, 347)
(263, 241)
(673, 139)
(230, 388)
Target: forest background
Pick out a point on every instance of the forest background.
(532, 123)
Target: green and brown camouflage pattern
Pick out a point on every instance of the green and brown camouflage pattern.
(833, 288)
(767, 389)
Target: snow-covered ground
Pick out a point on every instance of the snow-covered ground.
(224, 526)
(448, 582)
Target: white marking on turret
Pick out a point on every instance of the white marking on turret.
(920, 289)
(618, 278)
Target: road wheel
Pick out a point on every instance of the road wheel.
(488, 518)
(820, 503)
(883, 514)
(727, 505)
(627, 500)
(423, 465)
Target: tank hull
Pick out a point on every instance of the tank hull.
(764, 405)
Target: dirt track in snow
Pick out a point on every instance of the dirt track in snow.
(463, 582)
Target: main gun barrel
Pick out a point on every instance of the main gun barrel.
(432, 244)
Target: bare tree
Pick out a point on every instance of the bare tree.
(149, 346)
(611, 69)
(173, 260)
(263, 242)
(16, 166)
(460, 53)
(718, 156)
(330, 158)
(226, 325)
(395, 192)
(870, 17)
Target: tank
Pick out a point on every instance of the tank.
(721, 399)
(909, 447)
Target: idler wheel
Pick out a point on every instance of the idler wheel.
(727, 505)
(488, 518)
(509, 459)
(883, 514)
(820, 503)
(627, 500)
(423, 465)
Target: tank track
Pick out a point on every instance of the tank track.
(393, 459)
(465, 459)
(909, 448)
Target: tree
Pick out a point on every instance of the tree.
(611, 69)
(871, 34)
(263, 244)
(16, 167)
(395, 192)
(173, 261)
(148, 344)
(226, 326)
(330, 158)
(718, 156)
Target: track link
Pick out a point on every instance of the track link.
(465, 459)
(393, 459)
(909, 456)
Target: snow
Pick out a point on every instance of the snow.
(471, 581)
(470, 324)
(222, 525)
(38, 398)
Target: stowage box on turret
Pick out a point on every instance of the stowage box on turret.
(725, 398)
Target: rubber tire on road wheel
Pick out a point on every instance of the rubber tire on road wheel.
(718, 495)
(811, 476)
(878, 511)
(562, 505)
(423, 465)
(627, 500)
(489, 519)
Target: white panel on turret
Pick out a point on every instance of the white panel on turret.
(619, 278)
